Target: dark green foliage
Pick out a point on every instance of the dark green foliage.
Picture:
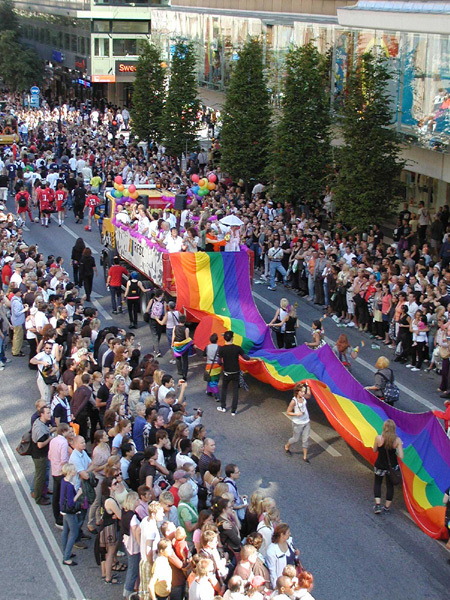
(368, 187)
(8, 18)
(246, 130)
(180, 123)
(301, 151)
(20, 67)
(148, 95)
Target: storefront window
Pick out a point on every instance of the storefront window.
(124, 47)
(101, 47)
(131, 26)
(74, 43)
(101, 26)
(66, 41)
(82, 46)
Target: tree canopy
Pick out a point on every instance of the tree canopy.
(148, 95)
(246, 130)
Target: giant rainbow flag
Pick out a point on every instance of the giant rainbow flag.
(214, 289)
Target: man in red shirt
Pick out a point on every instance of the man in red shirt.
(46, 202)
(23, 203)
(7, 272)
(114, 282)
(92, 201)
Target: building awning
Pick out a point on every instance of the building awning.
(397, 15)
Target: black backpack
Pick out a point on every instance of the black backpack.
(22, 200)
(133, 470)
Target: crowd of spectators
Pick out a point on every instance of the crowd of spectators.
(133, 473)
(108, 413)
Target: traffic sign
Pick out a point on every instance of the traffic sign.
(35, 90)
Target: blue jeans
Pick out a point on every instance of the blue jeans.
(325, 292)
(311, 293)
(132, 573)
(2, 349)
(273, 268)
(71, 529)
(70, 200)
(116, 297)
(169, 337)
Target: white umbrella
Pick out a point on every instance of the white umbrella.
(231, 221)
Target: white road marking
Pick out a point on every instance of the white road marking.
(403, 388)
(99, 307)
(74, 235)
(30, 519)
(319, 440)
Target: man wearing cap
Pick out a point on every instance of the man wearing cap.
(114, 282)
(179, 478)
(16, 278)
(18, 310)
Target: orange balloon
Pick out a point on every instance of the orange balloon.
(202, 182)
(120, 187)
(134, 195)
(211, 186)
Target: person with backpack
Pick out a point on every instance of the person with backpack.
(384, 386)
(156, 308)
(23, 203)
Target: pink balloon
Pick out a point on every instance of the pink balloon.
(132, 188)
(118, 179)
(195, 178)
(212, 177)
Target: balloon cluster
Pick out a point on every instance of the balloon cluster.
(202, 187)
(120, 190)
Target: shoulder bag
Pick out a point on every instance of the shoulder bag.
(394, 474)
(207, 374)
(391, 392)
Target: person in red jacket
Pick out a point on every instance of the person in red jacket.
(444, 415)
(114, 282)
(46, 203)
(92, 201)
(23, 203)
(60, 197)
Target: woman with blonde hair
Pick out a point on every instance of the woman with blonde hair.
(197, 450)
(266, 526)
(383, 376)
(252, 513)
(388, 446)
(279, 321)
(122, 371)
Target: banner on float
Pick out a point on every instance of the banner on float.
(148, 261)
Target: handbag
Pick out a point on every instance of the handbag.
(207, 374)
(395, 475)
(444, 352)
(24, 447)
(47, 375)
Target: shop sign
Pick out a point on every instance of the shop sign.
(103, 79)
(125, 66)
(80, 63)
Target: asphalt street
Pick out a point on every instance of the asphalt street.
(328, 504)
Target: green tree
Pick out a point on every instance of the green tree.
(369, 165)
(180, 123)
(246, 130)
(301, 155)
(148, 95)
(8, 17)
(20, 67)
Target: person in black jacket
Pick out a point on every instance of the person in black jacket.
(79, 201)
(230, 354)
(77, 253)
(87, 270)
